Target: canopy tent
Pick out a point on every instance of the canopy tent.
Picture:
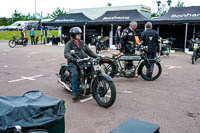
(72, 19)
(119, 17)
(180, 15)
(68, 20)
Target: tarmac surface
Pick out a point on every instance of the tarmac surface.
(172, 101)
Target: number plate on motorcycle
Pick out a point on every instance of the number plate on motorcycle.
(132, 58)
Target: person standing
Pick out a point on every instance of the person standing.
(45, 35)
(127, 42)
(32, 35)
(42, 33)
(150, 38)
(117, 37)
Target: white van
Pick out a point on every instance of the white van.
(16, 25)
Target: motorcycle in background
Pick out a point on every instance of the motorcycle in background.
(195, 44)
(101, 43)
(18, 41)
(149, 69)
(91, 80)
(166, 46)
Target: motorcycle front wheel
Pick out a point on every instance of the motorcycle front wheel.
(104, 92)
(150, 71)
(97, 48)
(12, 43)
(109, 68)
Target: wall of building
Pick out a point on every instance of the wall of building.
(94, 13)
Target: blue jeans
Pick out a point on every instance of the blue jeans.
(75, 74)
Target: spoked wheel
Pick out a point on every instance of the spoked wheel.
(151, 71)
(104, 92)
(12, 43)
(97, 48)
(109, 68)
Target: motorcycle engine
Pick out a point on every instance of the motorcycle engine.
(130, 72)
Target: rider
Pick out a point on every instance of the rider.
(81, 50)
(128, 41)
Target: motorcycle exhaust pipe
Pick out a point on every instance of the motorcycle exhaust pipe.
(64, 85)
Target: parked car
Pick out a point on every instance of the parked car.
(16, 25)
(29, 25)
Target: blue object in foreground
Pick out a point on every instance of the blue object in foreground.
(136, 126)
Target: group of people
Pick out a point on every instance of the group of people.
(33, 37)
(128, 39)
(125, 42)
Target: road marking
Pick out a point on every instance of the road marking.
(165, 73)
(86, 99)
(128, 92)
(5, 50)
(33, 53)
(5, 66)
(25, 78)
(172, 67)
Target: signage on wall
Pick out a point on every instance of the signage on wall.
(115, 17)
(187, 15)
(65, 20)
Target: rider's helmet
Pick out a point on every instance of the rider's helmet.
(74, 31)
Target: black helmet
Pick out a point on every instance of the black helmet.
(73, 31)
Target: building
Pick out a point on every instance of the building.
(94, 13)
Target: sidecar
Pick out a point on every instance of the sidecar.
(32, 110)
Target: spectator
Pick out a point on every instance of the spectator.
(32, 35)
(42, 33)
(117, 37)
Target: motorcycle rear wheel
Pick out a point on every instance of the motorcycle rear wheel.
(12, 43)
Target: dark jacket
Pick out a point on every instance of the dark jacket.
(127, 40)
(81, 52)
(150, 38)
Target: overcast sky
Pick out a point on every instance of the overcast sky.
(47, 6)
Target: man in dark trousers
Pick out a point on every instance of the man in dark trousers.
(32, 35)
(82, 51)
(128, 42)
(117, 37)
(150, 38)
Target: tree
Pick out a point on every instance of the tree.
(56, 13)
(180, 4)
(109, 4)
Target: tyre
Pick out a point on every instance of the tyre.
(152, 71)
(109, 68)
(104, 92)
(12, 43)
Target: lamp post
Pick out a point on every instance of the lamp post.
(35, 9)
(169, 2)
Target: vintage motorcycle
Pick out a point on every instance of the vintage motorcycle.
(166, 46)
(196, 49)
(149, 69)
(18, 41)
(91, 80)
(101, 43)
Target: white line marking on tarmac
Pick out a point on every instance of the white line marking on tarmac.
(172, 67)
(25, 78)
(33, 53)
(5, 66)
(128, 92)
(87, 99)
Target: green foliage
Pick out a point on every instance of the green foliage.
(7, 35)
(162, 10)
(56, 13)
(180, 4)
(109, 4)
